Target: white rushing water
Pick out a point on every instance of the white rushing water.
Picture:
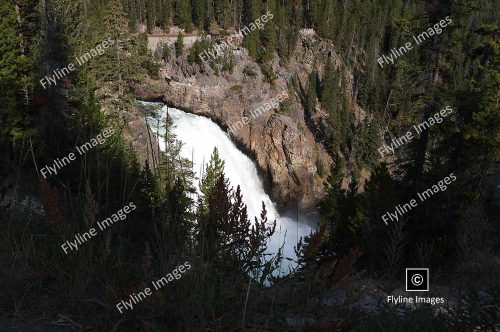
(200, 136)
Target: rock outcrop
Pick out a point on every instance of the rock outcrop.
(281, 141)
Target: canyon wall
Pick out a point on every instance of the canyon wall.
(283, 141)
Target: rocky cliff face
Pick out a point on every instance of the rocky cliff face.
(281, 140)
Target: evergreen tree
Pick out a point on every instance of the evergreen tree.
(329, 85)
(324, 27)
(268, 41)
(13, 69)
(172, 166)
(179, 44)
(150, 15)
(329, 207)
(115, 65)
(133, 16)
(347, 125)
(198, 13)
(226, 237)
(382, 195)
(372, 144)
(214, 170)
(166, 8)
(194, 53)
(251, 10)
(367, 142)
(182, 15)
(222, 10)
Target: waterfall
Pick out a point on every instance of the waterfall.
(200, 136)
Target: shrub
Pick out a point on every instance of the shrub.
(249, 70)
(236, 88)
(320, 168)
(227, 63)
(268, 72)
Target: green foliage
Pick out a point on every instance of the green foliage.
(251, 11)
(330, 91)
(281, 33)
(198, 13)
(311, 94)
(14, 78)
(457, 68)
(200, 46)
(166, 15)
(236, 89)
(222, 12)
(194, 53)
(165, 53)
(126, 59)
(367, 142)
(172, 166)
(182, 15)
(320, 168)
(340, 115)
(286, 105)
(179, 44)
(249, 70)
(150, 15)
(227, 62)
(269, 75)
(354, 219)
(225, 236)
(330, 206)
(268, 42)
(251, 43)
(214, 170)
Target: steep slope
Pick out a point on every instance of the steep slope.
(285, 141)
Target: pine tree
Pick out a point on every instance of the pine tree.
(214, 170)
(329, 85)
(172, 166)
(329, 207)
(325, 17)
(182, 15)
(372, 144)
(331, 97)
(196, 49)
(133, 16)
(179, 44)
(251, 10)
(115, 65)
(268, 41)
(482, 133)
(198, 13)
(13, 68)
(347, 125)
(166, 8)
(222, 9)
(150, 15)
(382, 194)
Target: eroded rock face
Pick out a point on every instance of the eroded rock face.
(279, 140)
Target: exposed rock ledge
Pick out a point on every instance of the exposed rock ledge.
(282, 145)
